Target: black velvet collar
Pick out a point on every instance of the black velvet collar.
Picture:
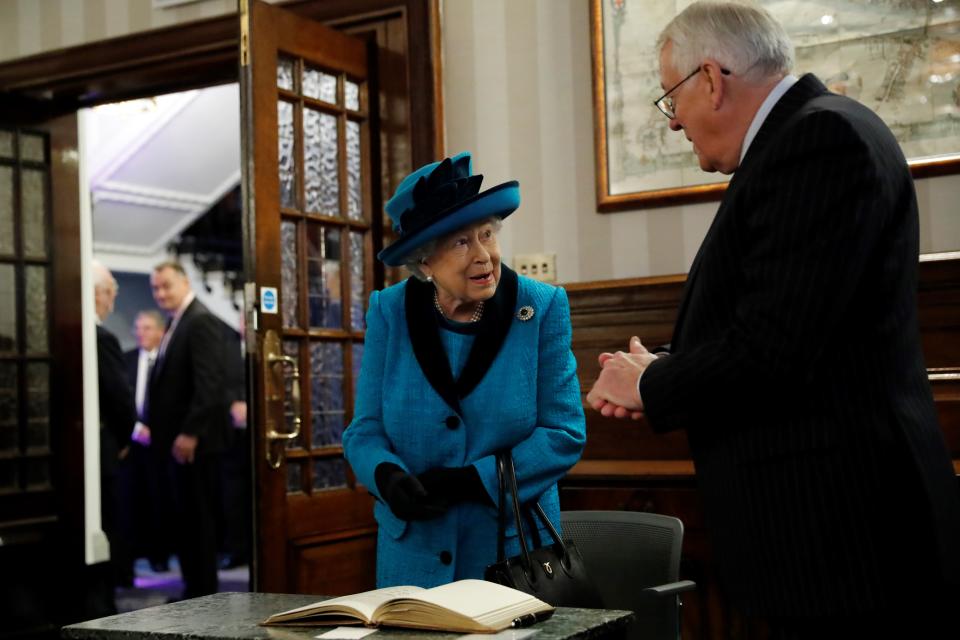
(424, 331)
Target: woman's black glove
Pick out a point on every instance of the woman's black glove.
(455, 484)
(404, 494)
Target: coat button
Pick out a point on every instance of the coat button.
(452, 422)
(446, 557)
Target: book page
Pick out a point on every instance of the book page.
(477, 599)
(363, 603)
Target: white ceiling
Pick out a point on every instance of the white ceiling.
(155, 165)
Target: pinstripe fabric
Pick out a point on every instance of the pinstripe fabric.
(797, 372)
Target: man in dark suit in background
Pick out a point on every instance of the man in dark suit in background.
(795, 366)
(147, 509)
(237, 512)
(186, 419)
(117, 417)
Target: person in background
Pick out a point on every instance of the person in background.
(186, 422)
(795, 366)
(461, 361)
(148, 509)
(237, 516)
(117, 417)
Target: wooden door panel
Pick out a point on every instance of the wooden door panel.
(336, 567)
(340, 510)
(308, 199)
(41, 397)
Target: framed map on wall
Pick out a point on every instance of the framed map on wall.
(901, 58)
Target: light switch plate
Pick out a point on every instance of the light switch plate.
(539, 266)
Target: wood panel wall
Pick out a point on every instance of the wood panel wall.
(627, 467)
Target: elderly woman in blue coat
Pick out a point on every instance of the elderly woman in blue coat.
(463, 360)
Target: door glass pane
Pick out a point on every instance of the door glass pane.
(357, 291)
(36, 302)
(288, 161)
(37, 472)
(291, 348)
(323, 276)
(329, 474)
(326, 375)
(9, 440)
(6, 144)
(8, 310)
(289, 298)
(8, 476)
(38, 405)
(31, 148)
(285, 73)
(354, 194)
(319, 85)
(6, 209)
(320, 172)
(351, 95)
(33, 199)
(294, 477)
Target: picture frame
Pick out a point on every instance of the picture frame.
(900, 59)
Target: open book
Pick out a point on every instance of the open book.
(469, 606)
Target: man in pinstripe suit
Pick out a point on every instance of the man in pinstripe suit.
(795, 365)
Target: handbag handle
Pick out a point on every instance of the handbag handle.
(507, 476)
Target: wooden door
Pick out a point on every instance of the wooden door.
(41, 399)
(309, 253)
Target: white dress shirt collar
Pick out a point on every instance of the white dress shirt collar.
(758, 119)
(183, 305)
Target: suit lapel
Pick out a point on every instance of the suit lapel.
(789, 104)
(178, 332)
(424, 330)
(425, 338)
(804, 90)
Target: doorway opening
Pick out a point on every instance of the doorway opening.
(161, 182)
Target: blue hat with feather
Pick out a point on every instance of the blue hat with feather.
(440, 198)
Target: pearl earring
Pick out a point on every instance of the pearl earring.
(429, 278)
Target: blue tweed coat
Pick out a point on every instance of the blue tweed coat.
(419, 406)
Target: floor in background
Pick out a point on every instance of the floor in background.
(150, 589)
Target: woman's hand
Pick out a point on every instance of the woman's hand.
(405, 496)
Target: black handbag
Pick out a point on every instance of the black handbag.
(554, 573)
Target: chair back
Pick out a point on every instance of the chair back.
(626, 552)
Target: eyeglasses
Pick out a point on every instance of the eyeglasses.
(666, 103)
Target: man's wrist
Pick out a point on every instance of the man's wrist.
(640, 377)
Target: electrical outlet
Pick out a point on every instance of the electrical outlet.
(539, 266)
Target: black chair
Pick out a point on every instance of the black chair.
(634, 558)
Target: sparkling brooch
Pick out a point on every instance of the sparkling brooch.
(525, 313)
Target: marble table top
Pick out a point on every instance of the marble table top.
(235, 616)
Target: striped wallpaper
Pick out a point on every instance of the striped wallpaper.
(34, 26)
(517, 93)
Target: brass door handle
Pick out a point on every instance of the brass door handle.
(274, 364)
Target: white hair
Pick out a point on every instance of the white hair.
(418, 256)
(741, 36)
(102, 278)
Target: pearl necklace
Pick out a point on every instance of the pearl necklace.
(477, 313)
